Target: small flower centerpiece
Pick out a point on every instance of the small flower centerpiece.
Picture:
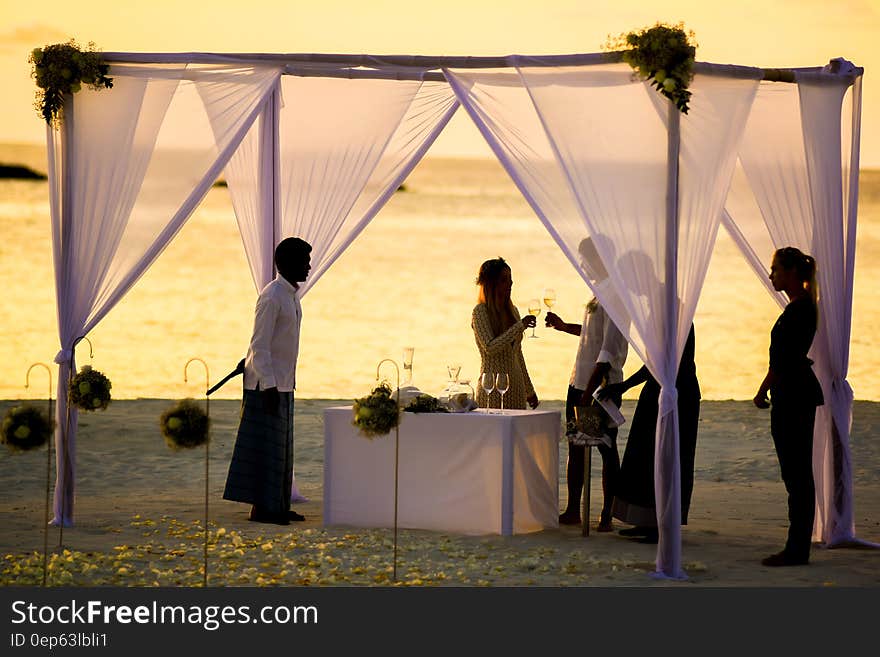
(425, 404)
(377, 413)
(664, 56)
(90, 390)
(25, 427)
(63, 68)
(185, 425)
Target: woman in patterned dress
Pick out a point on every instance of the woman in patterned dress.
(498, 330)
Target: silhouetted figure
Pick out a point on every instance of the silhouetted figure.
(600, 358)
(794, 395)
(261, 470)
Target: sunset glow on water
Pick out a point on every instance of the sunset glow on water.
(408, 280)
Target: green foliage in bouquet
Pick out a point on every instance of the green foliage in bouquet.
(26, 427)
(62, 68)
(663, 55)
(185, 425)
(377, 413)
(425, 404)
(591, 420)
(90, 390)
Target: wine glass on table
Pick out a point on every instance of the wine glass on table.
(502, 385)
(549, 297)
(534, 309)
(487, 380)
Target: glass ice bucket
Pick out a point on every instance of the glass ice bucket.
(459, 397)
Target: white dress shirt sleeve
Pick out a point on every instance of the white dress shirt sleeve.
(265, 316)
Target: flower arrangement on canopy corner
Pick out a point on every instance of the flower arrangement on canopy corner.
(90, 390)
(663, 55)
(377, 413)
(63, 68)
(185, 425)
(25, 427)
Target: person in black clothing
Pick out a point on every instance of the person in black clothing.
(634, 501)
(794, 394)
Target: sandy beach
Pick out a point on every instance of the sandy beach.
(140, 509)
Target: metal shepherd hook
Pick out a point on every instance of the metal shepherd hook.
(396, 453)
(207, 453)
(27, 383)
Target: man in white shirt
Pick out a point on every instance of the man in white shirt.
(601, 354)
(261, 470)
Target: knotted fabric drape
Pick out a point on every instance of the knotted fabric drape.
(618, 163)
(799, 187)
(114, 207)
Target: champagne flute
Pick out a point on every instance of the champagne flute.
(534, 309)
(502, 385)
(549, 297)
(408, 364)
(487, 380)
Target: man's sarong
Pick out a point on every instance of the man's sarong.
(261, 470)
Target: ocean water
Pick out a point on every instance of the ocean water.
(408, 280)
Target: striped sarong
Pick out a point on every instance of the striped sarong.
(261, 470)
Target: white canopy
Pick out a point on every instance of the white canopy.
(314, 145)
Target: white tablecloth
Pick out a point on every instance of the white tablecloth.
(468, 473)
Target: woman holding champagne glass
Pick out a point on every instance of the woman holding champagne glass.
(498, 330)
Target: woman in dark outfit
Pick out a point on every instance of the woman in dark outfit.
(634, 501)
(795, 393)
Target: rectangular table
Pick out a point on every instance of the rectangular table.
(467, 473)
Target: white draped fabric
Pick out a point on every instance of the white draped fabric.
(594, 151)
(312, 169)
(107, 221)
(796, 190)
(625, 166)
(336, 169)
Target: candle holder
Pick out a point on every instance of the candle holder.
(207, 454)
(27, 381)
(396, 450)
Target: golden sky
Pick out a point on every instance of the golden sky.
(768, 33)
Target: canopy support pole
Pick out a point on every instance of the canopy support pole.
(668, 511)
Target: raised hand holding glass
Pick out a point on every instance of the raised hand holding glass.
(534, 309)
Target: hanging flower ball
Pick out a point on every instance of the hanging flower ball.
(25, 428)
(90, 390)
(185, 425)
(377, 413)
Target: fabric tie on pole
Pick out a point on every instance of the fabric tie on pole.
(63, 356)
